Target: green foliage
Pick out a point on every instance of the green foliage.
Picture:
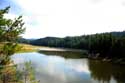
(10, 31)
(104, 45)
(29, 74)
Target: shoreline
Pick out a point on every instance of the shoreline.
(32, 48)
(112, 60)
(59, 49)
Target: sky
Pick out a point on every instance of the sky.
(60, 18)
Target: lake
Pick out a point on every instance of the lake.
(57, 67)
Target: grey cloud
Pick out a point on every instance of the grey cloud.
(123, 3)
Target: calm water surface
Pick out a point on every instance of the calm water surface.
(57, 69)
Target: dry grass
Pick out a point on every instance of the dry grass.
(28, 48)
(25, 47)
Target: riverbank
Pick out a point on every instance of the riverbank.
(28, 48)
(23, 47)
(107, 59)
(32, 48)
(59, 49)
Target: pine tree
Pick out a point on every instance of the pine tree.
(10, 31)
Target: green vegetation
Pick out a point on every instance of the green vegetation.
(28, 74)
(108, 46)
(10, 31)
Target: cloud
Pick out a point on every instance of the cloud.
(71, 17)
(96, 1)
(10, 16)
(123, 3)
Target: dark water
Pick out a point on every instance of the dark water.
(57, 69)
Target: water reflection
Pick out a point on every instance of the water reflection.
(105, 72)
(56, 69)
(66, 54)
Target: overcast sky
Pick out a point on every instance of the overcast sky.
(62, 18)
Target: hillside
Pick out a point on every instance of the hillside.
(103, 45)
(64, 42)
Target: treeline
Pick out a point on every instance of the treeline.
(105, 45)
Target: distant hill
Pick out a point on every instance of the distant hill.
(45, 41)
(23, 40)
(104, 45)
(118, 34)
(65, 42)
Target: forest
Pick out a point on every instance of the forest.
(110, 45)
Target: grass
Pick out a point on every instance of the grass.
(28, 48)
(25, 47)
